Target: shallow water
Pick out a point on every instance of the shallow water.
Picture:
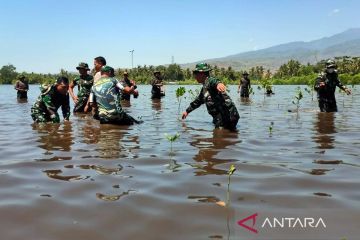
(80, 180)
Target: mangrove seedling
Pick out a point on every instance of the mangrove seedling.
(194, 94)
(171, 139)
(180, 91)
(231, 171)
(271, 127)
(297, 98)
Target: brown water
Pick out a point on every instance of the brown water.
(80, 180)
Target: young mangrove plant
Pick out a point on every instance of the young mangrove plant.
(310, 89)
(266, 85)
(271, 126)
(171, 139)
(180, 91)
(297, 98)
(194, 94)
(231, 171)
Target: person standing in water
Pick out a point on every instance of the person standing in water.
(84, 83)
(244, 85)
(157, 86)
(218, 103)
(126, 82)
(325, 86)
(22, 87)
(105, 97)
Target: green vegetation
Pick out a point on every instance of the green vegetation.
(180, 91)
(271, 127)
(292, 72)
(297, 98)
(171, 139)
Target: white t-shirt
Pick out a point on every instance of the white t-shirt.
(97, 76)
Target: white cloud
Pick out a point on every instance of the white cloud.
(334, 12)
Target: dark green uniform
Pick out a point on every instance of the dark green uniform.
(106, 94)
(84, 84)
(219, 105)
(46, 106)
(326, 94)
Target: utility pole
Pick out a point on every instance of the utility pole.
(132, 58)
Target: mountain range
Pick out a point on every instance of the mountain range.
(346, 43)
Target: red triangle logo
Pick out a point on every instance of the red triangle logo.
(242, 223)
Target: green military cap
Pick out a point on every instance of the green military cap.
(107, 69)
(330, 63)
(156, 71)
(83, 65)
(21, 76)
(202, 67)
(245, 73)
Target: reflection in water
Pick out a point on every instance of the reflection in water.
(209, 148)
(112, 141)
(112, 197)
(245, 101)
(22, 100)
(54, 137)
(156, 104)
(56, 174)
(205, 199)
(325, 129)
(102, 170)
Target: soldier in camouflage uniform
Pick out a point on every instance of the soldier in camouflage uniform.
(244, 85)
(218, 103)
(325, 86)
(157, 86)
(84, 83)
(22, 87)
(105, 95)
(126, 82)
(49, 101)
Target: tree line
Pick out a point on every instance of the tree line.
(292, 72)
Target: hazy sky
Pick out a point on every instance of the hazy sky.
(47, 35)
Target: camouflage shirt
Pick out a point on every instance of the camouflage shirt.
(218, 104)
(106, 93)
(327, 92)
(49, 102)
(84, 84)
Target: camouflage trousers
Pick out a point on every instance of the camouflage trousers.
(80, 105)
(225, 114)
(327, 106)
(40, 116)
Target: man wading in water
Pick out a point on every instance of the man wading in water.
(105, 96)
(84, 83)
(49, 101)
(22, 87)
(244, 85)
(218, 103)
(325, 86)
(157, 86)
